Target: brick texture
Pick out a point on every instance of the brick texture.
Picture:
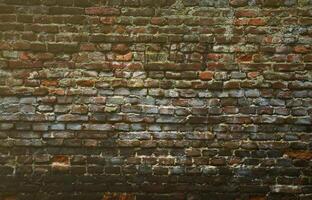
(156, 99)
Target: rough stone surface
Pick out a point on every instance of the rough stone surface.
(156, 99)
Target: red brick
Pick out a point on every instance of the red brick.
(158, 21)
(206, 75)
(256, 22)
(301, 49)
(244, 58)
(246, 13)
(24, 56)
(214, 57)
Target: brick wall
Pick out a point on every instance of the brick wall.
(156, 99)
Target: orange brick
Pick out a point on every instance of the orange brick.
(206, 75)
(256, 22)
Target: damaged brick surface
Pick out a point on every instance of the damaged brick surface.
(147, 99)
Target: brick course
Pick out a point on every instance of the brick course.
(147, 99)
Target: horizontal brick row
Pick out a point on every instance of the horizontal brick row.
(145, 99)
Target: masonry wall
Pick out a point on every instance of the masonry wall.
(156, 99)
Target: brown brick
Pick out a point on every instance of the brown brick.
(102, 11)
(118, 196)
(304, 155)
(238, 3)
(61, 47)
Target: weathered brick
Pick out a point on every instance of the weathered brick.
(72, 117)
(145, 99)
(98, 127)
(60, 10)
(305, 155)
(238, 3)
(61, 47)
(60, 163)
(102, 11)
(206, 75)
(271, 3)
